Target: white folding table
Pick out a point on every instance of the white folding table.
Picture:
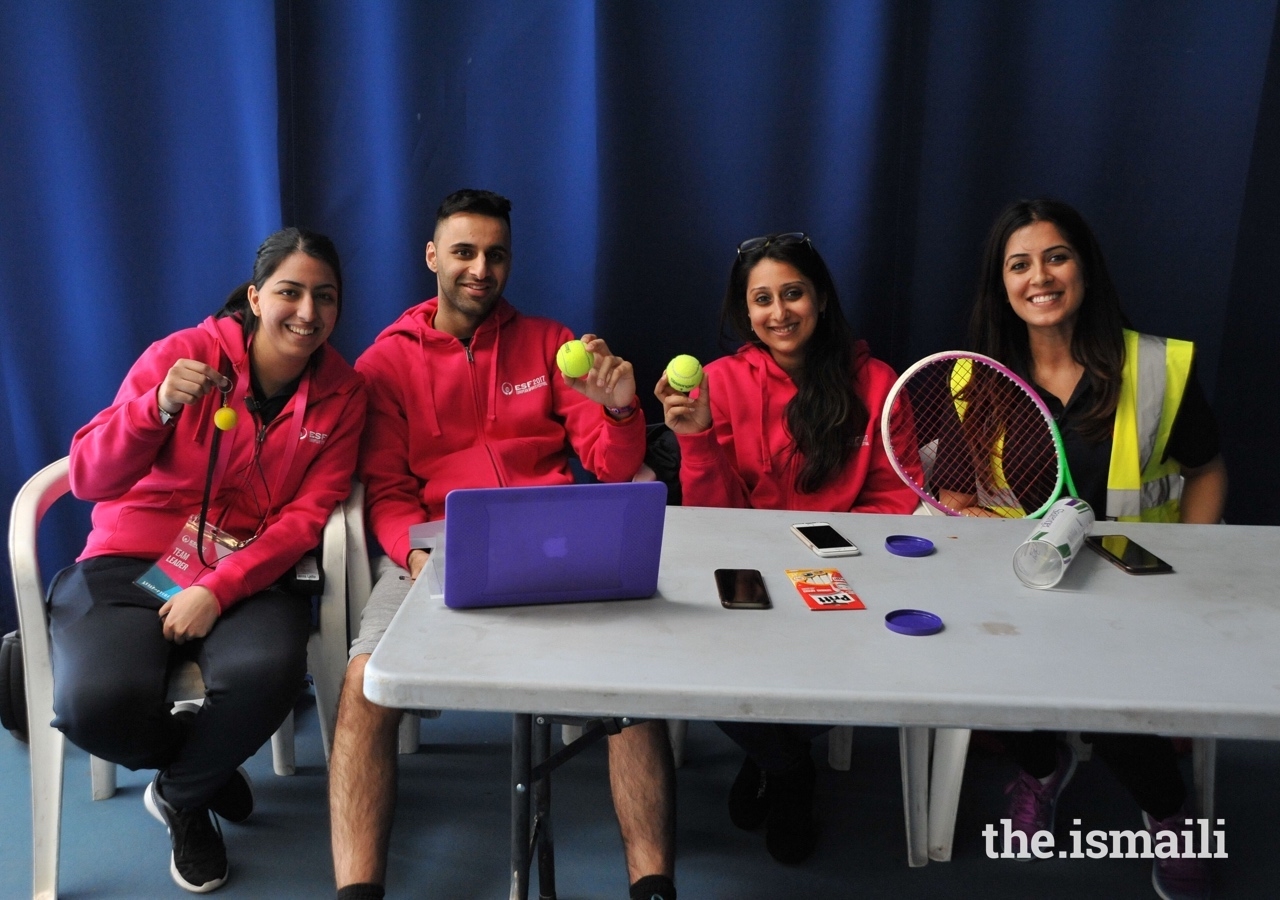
(1192, 653)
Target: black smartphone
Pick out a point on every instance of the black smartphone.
(1127, 554)
(742, 589)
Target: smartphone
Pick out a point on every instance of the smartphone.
(824, 540)
(1127, 554)
(742, 589)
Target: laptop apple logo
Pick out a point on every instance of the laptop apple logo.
(556, 547)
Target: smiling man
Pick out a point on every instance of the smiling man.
(465, 393)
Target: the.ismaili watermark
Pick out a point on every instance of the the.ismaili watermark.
(1197, 841)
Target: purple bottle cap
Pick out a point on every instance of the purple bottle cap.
(908, 545)
(915, 622)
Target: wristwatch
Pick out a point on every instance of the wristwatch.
(165, 416)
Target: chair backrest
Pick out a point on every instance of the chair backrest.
(40, 492)
(359, 576)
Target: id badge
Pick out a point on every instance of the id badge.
(180, 566)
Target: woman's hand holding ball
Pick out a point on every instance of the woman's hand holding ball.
(684, 412)
(186, 382)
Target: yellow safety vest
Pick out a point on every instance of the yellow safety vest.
(1140, 487)
(997, 496)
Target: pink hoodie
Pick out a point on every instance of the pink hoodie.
(496, 413)
(147, 478)
(746, 458)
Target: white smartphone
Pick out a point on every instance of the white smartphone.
(824, 540)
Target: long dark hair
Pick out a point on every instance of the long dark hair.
(1097, 342)
(271, 253)
(826, 417)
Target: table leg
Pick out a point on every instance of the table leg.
(950, 749)
(1204, 760)
(913, 747)
(521, 734)
(542, 831)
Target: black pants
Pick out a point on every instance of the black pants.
(111, 663)
(1145, 764)
(773, 746)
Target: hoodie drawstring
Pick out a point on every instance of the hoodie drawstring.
(493, 373)
(766, 459)
(432, 419)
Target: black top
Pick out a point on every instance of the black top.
(1193, 441)
(266, 410)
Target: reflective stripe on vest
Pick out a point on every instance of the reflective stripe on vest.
(1140, 487)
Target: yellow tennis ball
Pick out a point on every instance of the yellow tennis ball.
(225, 418)
(684, 373)
(574, 359)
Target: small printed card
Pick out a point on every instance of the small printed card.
(824, 589)
(181, 566)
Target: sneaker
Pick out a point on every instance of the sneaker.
(748, 798)
(790, 833)
(185, 710)
(1032, 804)
(233, 802)
(198, 862)
(1177, 879)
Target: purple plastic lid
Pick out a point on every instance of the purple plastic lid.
(908, 545)
(915, 622)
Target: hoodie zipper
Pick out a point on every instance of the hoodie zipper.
(475, 396)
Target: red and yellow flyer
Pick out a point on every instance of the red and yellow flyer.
(824, 589)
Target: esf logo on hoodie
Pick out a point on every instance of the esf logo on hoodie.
(525, 387)
(316, 437)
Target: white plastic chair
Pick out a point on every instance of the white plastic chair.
(326, 658)
(359, 587)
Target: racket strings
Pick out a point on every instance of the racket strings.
(983, 444)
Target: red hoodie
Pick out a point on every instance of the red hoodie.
(494, 413)
(148, 478)
(747, 459)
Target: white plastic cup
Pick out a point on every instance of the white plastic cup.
(1042, 559)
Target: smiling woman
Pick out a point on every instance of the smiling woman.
(783, 311)
(1141, 445)
(1042, 277)
(296, 309)
(787, 422)
(149, 583)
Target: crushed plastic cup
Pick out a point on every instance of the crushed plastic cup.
(1042, 559)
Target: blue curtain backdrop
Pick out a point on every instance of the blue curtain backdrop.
(147, 147)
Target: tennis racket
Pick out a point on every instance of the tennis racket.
(972, 438)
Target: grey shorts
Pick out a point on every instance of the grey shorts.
(389, 591)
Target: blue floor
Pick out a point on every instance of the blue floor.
(451, 833)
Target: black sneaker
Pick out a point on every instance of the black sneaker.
(234, 800)
(749, 796)
(199, 859)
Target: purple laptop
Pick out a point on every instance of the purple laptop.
(564, 544)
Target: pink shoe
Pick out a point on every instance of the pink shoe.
(1032, 805)
(1177, 879)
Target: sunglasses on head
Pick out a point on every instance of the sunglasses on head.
(788, 237)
